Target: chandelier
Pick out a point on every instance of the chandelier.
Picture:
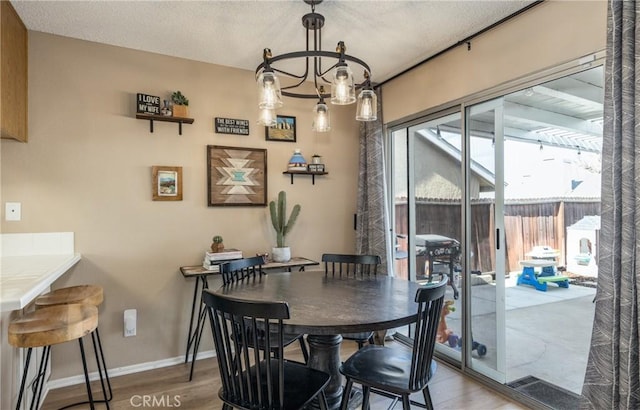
(336, 73)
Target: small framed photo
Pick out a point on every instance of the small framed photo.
(284, 130)
(167, 183)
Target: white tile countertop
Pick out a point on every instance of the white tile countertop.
(23, 278)
(30, 263)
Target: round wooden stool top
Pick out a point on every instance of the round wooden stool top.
(87, 294)
(53, 325)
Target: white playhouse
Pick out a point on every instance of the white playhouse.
(582, 246)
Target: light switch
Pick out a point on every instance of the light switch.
(12, 211)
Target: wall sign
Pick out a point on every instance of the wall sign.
(315, 167)
(148, 104)
(231, 126)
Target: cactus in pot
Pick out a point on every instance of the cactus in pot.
(217, 245)
(282, 225)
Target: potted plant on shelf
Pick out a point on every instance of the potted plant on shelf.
(180, 105)
(282, 226)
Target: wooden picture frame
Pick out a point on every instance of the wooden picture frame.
(167, 183)
(236, 176)
(284, 130)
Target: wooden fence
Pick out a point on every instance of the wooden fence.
(527, 224)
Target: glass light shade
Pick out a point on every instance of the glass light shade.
(367, 109)
(321, 118)
(267, 117)
(343, 91)
(269, 93)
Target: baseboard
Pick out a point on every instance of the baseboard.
(121, 371)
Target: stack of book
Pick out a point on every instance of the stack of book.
(212, 260)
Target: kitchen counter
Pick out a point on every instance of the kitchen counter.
(29, 264)
(23, 278)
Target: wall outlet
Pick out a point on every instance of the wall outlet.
(12, 211)
(130, 319)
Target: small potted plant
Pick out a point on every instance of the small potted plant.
(282, 226)
(217, 245)
(180, 104)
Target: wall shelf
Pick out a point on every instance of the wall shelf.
(313, 175)
(152, 117)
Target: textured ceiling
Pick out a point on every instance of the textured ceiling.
(390, 36)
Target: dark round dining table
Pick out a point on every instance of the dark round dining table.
(324, 306)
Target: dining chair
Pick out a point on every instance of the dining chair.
(346, 265)
(252, 378)
(398, 370)
(251, 268)
(240, 270)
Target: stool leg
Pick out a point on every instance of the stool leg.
(101, 364)
(39, 380)
(86, 374)
(95, 337)
(24, 378)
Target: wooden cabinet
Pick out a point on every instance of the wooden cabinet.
(13, 74)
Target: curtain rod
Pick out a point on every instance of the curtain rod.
(466, 40)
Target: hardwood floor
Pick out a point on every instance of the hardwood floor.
(168, 387)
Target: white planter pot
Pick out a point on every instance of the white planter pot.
(281, 254)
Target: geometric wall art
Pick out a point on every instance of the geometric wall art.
(236, 176)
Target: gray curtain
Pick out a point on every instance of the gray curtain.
(372, 223)
(612, 377)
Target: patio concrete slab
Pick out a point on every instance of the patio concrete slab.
(551, 342)
(547, 333)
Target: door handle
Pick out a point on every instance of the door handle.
(498, 238)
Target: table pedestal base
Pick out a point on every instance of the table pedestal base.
(324, 354)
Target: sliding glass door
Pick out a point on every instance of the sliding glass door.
(428, 187)
(502, 199)
(552, 186)
(486, 284)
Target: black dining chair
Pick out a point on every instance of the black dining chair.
(240, 270)
(252, 378)
(251, 268)
(398, 370)
(345, 265)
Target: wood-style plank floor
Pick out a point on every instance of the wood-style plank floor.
(168, 387)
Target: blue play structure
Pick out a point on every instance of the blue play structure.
(546, 275)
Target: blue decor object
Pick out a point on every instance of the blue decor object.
(297, 162)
